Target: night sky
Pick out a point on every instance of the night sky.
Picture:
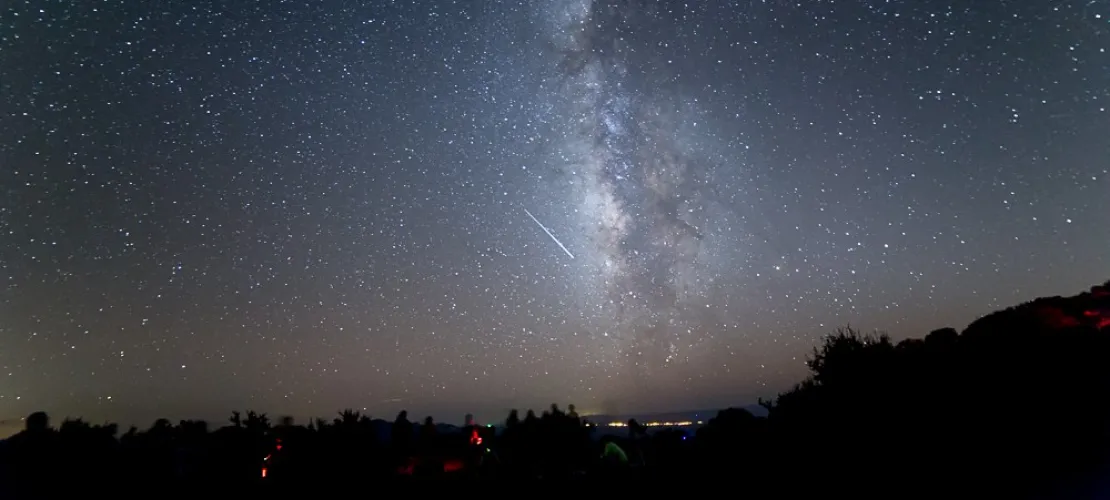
(469, 206)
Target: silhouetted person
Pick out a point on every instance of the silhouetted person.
(401, 435)
(430, 462)
(635, 430)
(33, 455)
(428, 431)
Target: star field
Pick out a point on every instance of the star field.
(298, 207)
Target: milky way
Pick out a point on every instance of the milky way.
(302, 207)
(644, 196)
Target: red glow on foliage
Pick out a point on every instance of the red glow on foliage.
(1101, 317)
(449, 465)
(1056, 318)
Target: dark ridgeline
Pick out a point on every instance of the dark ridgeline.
(1015, 405)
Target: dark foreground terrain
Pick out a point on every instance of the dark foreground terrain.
(1014, 406)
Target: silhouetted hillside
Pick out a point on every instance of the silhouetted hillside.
(961, 406)
(1089, 309)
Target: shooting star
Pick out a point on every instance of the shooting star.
(553, 238)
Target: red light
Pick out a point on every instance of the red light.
(263, 472)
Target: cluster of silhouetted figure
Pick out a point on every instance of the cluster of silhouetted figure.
(1016, 404)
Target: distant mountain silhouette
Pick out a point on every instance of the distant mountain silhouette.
(671, 416)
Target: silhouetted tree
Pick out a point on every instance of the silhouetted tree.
(257, 422)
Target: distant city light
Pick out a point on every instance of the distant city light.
(681, 423)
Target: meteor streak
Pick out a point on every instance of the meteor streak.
(553, 238)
